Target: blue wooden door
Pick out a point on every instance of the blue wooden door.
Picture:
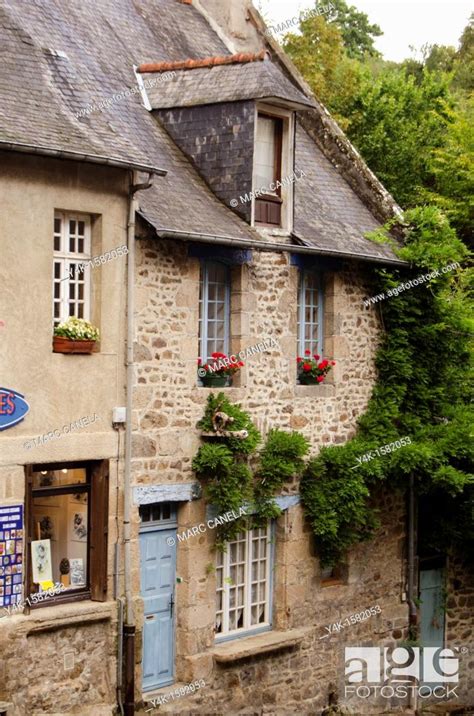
(432, 607)
(158, 570)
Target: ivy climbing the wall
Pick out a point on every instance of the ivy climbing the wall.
(423, 390)
(234, 475)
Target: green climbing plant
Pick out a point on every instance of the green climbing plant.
(423, 390)
(232, 473)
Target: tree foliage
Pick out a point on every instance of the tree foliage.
(357, 32)
(412, 122)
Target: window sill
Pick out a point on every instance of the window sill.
(324, 390)
(237, 392)
(269, 641)
(332, 583)
(62, 616)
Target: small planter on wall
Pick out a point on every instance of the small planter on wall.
(70, 345)
(312, 370)
(75, 336)
(218, 372)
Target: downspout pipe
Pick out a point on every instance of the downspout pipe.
(129, 625)
(412, 608)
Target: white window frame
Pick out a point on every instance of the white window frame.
(247, 628)
(66, 259)
(317, 343)
(287, 168)
(204, 305)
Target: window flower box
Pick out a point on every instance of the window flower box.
(312, 370)
(75, 336)
(218, 372)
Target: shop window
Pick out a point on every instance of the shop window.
(243, 573)
(71, 271)
(214, 310)
(67, 518)
(310, 313)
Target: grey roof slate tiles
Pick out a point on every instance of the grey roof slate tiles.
(328, 213)
(57, 57)
(225, 83)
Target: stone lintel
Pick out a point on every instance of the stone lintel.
(260, 644)
(179, 492)
(284, 502)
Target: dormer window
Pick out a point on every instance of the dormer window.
(272, 169)
(268, 170)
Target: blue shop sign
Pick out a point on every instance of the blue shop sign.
(13, 408)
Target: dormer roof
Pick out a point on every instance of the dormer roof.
(226, 78)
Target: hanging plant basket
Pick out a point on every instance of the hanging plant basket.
(71, 345)
(215, 381)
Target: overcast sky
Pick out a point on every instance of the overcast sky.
(404, 22)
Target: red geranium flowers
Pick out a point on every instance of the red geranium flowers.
(313, 367)
(221, 365)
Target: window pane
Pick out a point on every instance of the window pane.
(60, 478)
(214, 310)
(145, 513)
(60, 539)
(61, 522)
(247, 599)
(265, 156)
(66, 268)
(309, 313)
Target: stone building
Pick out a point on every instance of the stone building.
(178, 131)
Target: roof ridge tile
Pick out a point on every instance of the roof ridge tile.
(189, 64)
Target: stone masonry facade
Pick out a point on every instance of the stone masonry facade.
(168, 405)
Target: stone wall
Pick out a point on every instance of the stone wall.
(61, 659)
(460, 621)
(168, 405)
(294, 679)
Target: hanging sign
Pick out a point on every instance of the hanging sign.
(13, 408)
(11, 554)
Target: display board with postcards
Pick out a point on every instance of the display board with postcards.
(11, 554)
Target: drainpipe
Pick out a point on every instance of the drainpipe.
(129, 625)
(412, 609)
(411, 554)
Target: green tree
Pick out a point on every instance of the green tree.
(320, 56)
(357, 32)
(464, 74)
(452, 170)
(396, 123)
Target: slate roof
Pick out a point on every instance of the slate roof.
(59, 57)
(328, 213)
(226, 83)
